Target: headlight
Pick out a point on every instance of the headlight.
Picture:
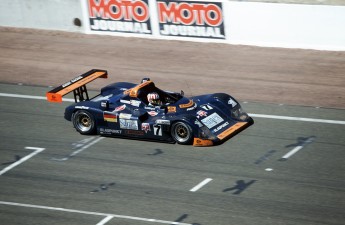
(205, 133)
(239, 114)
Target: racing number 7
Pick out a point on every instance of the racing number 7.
(157, 129)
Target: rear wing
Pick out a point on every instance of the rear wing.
(77, 85)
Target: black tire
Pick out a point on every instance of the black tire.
(84, 122)
(182, 133)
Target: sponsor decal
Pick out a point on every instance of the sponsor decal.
(128, 124)
(232, 102)
(152, 113)
(201, 113)
(212, 120)
(171, 109)
(231, 130)
(109, 131)
(192, 108)
(125, 116)
(127, 16)
(145, 127)
(163, 122)
(135, 103)
(110, 117)
(135, 132)
(220, 127)
(125, 101)
(72, 81)
(150, 108)
(81, 107)
(104, 104)
(197, 122)
(207, 107)
(191, 19)
(120, 108)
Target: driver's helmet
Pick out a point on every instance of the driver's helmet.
(153, 98)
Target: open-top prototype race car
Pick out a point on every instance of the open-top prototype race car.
(143, 111)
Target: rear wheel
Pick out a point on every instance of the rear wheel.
(84, 122)
(182, 133)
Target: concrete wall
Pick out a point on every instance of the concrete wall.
(287, 25)
(249, 23)
(41, 14)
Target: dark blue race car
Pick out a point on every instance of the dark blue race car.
(124, 110)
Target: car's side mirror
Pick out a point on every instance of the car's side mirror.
(105, 104)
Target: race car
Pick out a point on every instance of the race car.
(143, 111)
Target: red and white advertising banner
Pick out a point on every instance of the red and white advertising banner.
(128, 16)
(196, 19)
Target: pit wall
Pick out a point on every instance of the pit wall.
(249, 23)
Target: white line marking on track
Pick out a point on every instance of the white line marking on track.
(296, 149)
(37, 150)
(292, 152)
(250, 114)
(200, 185)
(105, 220)
(92, 213)
(79, 150)
(32, 97)
(296, 119)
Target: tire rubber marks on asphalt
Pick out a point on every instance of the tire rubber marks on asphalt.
(157, 152)
(265, 157)
(80, 146)
(103, 187)
(21, 160)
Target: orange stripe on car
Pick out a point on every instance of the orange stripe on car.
(187, 105)
(133, 92)
(231, 130)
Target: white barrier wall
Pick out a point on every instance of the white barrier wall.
(287, 25)
(41, 14)
(249, 23)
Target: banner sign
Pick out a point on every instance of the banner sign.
(128, 16)
(191, 19)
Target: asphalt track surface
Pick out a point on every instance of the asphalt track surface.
(279, 171)
(288, 168)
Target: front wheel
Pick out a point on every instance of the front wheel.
(182, 133)
(84, 122)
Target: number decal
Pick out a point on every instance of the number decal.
(157, 129)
